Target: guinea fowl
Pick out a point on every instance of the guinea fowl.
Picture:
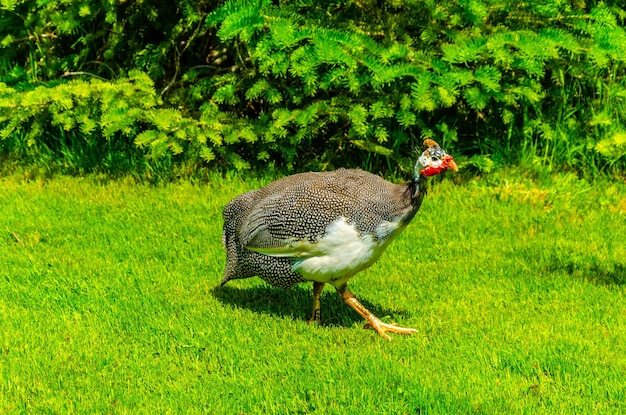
(324, 227)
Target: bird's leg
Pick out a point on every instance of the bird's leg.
(372, 321)
(318, 287)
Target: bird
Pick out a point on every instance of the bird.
(324, 227)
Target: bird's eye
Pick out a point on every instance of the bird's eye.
(434, 158)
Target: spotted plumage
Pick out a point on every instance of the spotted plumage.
(322, 227)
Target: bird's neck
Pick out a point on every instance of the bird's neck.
(417, 187)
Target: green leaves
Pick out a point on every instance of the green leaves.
(613, 147)
(358, 117)
(126, 109)
(463, 52)
(476, 66)
(243, 23)
(313, 85)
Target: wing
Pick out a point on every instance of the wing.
(290, 216)
(289, 223)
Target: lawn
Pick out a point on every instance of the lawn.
(108, 304)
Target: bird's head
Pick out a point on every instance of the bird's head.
(433, 161)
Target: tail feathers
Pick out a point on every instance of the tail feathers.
(232, 276)
(225, 279)
(233, 271)
(230, 272)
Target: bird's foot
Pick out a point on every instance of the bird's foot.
(382, 328)
(372, 321)
(315, 318)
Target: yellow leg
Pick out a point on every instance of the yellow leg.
(372, 321)
(318, 287)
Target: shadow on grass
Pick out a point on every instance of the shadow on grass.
(591, 268)
(297, 302)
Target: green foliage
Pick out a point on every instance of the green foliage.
(96, 113)
(43, 40)
(312, 84)
(507, 77)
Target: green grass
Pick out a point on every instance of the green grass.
(107, 305)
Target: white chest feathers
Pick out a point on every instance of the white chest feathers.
(344, 251)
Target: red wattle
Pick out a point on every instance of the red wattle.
(431, 171)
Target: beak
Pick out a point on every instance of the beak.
(450, 164)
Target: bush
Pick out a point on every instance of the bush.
(313, 84)
(100, 117)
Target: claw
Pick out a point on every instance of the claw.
(381, 328)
